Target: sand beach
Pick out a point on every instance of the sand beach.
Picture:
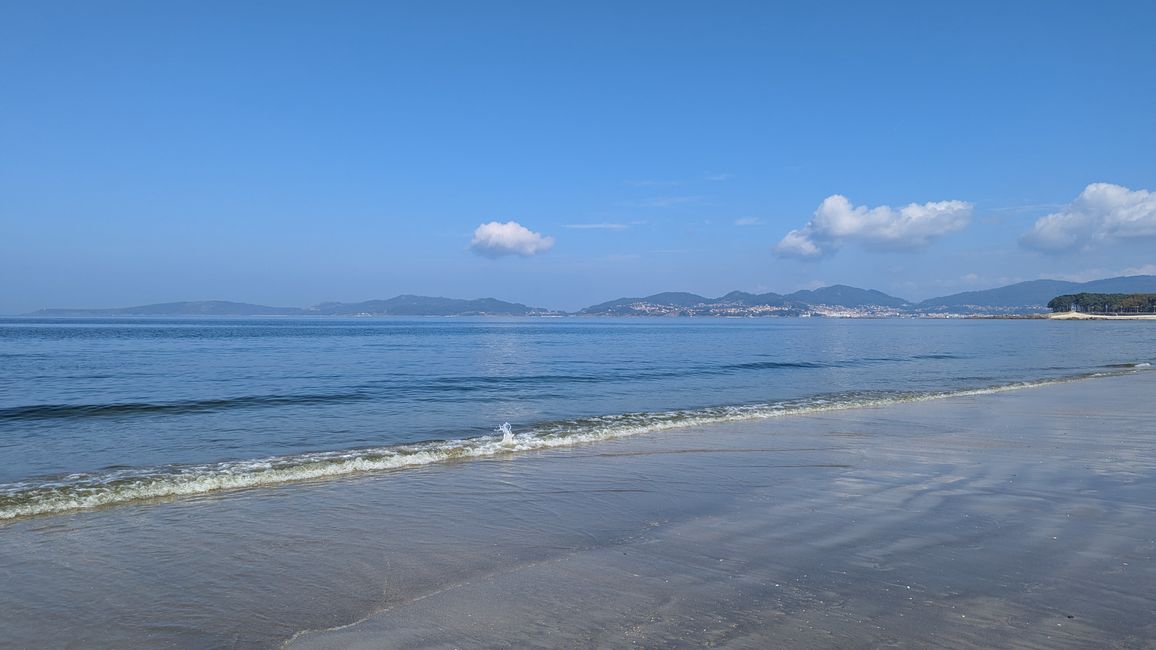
(1020, 518)
(1078, 315)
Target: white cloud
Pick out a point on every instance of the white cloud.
(1100, 273)
(1103, 212)
(748, 221)
(597, 226)
(1143, 269)
(836, 222)
(798, 244)
(495, 239)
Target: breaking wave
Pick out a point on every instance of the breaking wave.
(86, 491)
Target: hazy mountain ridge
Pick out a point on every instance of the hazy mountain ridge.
(188, 308)
(405, 305)
(409, 305)
(625, 305)
(751, 299)
(835, 296)
(1022, 297)
(1035, 294)
(842, 295)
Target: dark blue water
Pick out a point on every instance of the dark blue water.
(97, 404)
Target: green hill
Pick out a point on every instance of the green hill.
(841, 295)
(1035, 294)
(408, 305)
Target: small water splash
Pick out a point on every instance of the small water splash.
(87, 491)
(508, 439)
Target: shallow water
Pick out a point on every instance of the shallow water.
(104, 411)
(379, 478)
(1020, 518)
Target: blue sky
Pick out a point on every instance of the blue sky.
(290, 153)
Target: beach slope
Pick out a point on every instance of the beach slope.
(1022, 518)
(1018, 519)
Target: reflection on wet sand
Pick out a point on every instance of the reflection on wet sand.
(1014, 519)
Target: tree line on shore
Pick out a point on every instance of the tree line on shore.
(1105, 303)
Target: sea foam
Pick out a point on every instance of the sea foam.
(87, 491)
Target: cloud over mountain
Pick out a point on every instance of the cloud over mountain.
(494, 239)
(1103, 212)
(837, 222)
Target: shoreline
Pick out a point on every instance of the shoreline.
(1009, 518)
(138, 486)
(940, 528)
(1072, 315)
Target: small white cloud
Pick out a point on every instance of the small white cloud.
(1103, 212)
(1100, 273)
(718, 177)
(495, 239)
(748, 221)
(799, 244)
(836, 222)
(597, 226)
(1143, 269)
(970, 278)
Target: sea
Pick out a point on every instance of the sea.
(97, 412)
(236, 483)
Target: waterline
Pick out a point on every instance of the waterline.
(76, 492)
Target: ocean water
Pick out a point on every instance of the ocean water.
(199, 483)
(102, 412)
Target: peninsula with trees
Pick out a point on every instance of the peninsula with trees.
(1104, 305)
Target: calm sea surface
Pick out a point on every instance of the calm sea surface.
(103, 411)
(125, 445)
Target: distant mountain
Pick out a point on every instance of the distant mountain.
(1122, 284)
(628, 306)
(1035, 294)
(399, 306)
(195, 308)
(427, 306)
(841, 295)
(1023, 297)
(752, 299)
(739, 303)
(678, 299)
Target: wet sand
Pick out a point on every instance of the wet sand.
(1016, 519)
(1024, 519)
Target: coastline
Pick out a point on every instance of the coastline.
(1012, 518)
(1079, 315)
(996, 520)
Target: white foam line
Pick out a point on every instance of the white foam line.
(89, 493)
